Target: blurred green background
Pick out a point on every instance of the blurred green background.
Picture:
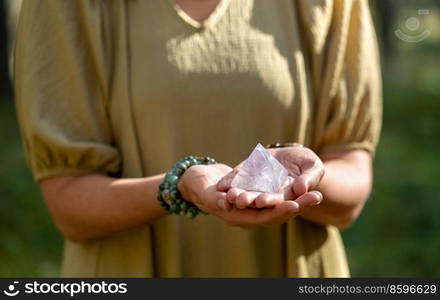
(398, 231)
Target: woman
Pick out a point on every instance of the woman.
(110, 94)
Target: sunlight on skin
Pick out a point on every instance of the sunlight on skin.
(297, 183)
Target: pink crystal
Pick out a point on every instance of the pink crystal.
(260, 172)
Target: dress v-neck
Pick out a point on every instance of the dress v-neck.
(211, 20)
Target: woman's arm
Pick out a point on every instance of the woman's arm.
(345, 186)
(90, 206)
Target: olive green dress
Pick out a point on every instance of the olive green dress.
(126, 88)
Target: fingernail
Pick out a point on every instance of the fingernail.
(319, 195)
(221, 204)
(228, 206)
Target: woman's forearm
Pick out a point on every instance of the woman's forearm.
(91, 206)
(345, 186)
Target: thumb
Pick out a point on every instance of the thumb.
(300, 186)
(225, 183)
(309, 199)
(308, 180)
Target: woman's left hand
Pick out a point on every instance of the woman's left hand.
(305, 171)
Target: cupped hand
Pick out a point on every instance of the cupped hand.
(305, 171)
(199, 186)
(280, 213)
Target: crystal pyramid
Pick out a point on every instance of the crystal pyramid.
(260, 172)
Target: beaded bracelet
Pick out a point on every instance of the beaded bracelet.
(169, 196)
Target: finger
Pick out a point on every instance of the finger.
(288, 193)
(250, 217)
(278, 214)
(246, 198)
(309, 199)
(252, 205)
(288, 209)
(224, 205)
(232, 194)
(209, 201)
(268, 199)
(300, 186)
(308, 179)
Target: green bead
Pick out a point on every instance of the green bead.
(184, 206)
(177, 171)
(174, 208)
(174, 194)
(178, 201)
(193, 162)
(173, 179)
(192, 212)
(181, 166)
(166, 195)
(167, 176)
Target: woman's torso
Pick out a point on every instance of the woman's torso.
(212, 90)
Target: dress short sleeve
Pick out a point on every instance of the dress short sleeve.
(61, 81)
(345, 72)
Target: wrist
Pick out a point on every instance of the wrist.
(185, 187)
(170, 195)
